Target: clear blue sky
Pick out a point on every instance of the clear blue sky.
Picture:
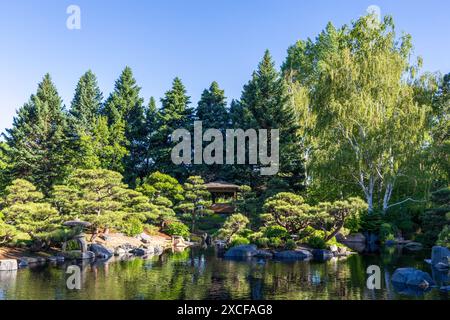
(197, 40)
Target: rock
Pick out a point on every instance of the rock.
(445, 288)
(77, 254)
(139, 252)
(145, 238)
(440, 256)
(241, 251)
(100, 251)
(390, 243)
(414, 246)
(342, 251)
(322, 255)
(357, 237)
(412, 277)
(8, 265)
(55, 259)
(333, 248)
(263, 254)
(26, 261)
(158, 250)
(293, 255)
(120, 251)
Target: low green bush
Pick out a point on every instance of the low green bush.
(290, 245)
(238, 240)
(275, 242)
(317, 242)
(177, 229)
(132, 226)
(276, 232)
(386, 232)
(444, 237)
(262, 242)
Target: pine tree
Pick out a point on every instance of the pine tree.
(266, 97)
(212, 111)
(150, 138)
(37, 142)
(125, 105)
(175, 114)
(84, 112)
(87, 101)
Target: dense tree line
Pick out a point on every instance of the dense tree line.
(356, 119)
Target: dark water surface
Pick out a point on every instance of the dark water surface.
(198, 273)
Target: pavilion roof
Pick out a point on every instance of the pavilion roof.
(221, 186)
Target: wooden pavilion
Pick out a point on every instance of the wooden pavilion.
(222, 189)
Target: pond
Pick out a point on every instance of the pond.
(198, 273)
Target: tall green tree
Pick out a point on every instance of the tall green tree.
(38, 141)
(266, 97)
(368, 123)
(213, 114)
(175, 113)
(125, 107)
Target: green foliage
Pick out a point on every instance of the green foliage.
(25, 211)
(196, 202)
(275, 242)
(177, 228)
(38, 145)
(290, 245)
(262, 242)
(444, 237)
(158, 185)
(289, 211)
(238, 240)
(276, 232)
(234, 225)
(434, 220)
(317, 242)
(387, 232)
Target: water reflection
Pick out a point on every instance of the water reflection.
(199, 273)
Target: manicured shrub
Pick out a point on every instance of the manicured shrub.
(132, 226)
(276, 232)
(275, 242)
(317, 242)
(262, 242)
(238, 240)
(290, 245)
(177, 229)
(444, 237)
(387, 232)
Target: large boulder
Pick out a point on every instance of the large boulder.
(241, 251)
(293, 255)
(322, 255)
(8, 265)
(412, 277)
(414, 246)
(440, 257)
(100, 251)
(145, 238)
(265, 254)
(357, 237)
(77, 254)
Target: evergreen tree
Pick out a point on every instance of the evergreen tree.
(86, 104)
(266, 97)
(149, 138)
(175, 114)
(125, 105)
(212, 111)
(38, 141)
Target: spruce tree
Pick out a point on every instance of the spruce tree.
(266, 97)
(175, 114)
(125, 105)
(212, 111)
(37, 142)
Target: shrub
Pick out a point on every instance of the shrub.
(177, 228)
(387, 232)
(238, 240)
(255, 236)
(317, 242)
(151, 229)
(444, 237)
(290, 245)
(275, 242)
(276, 232)
(262, 242)
(132, 226)
(371, 222)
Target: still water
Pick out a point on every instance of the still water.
(198, 273)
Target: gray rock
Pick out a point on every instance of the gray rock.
(293, 255)
(412, 277)
(77, 254)
(8, 265)
(145, 238)
(120, 251)
(414, 246)
(100, 251)
(445, 288)
(55, 259)
(263, 254)
(241, 251)
(322, 255)
(357, 237)
(333, 248)
(440, 255)
(158, 250)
